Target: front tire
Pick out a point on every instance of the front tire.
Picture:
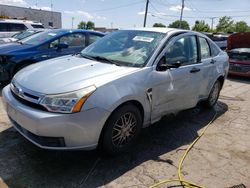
(213, 95)
(121, 129)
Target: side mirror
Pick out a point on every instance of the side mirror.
(62, 45)
(166, 66)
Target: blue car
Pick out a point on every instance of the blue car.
(42, 46)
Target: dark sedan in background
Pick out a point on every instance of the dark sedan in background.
(42, 46)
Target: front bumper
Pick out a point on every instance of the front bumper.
(53, 130)
(238, 69)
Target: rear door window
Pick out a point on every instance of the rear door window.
(204, 47)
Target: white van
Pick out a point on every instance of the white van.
(9, 27)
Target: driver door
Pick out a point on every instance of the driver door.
(176, 88)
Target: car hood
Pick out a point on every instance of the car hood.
(10, 48)
(239, 40)
(68, 73)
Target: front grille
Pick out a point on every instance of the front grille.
(28, 103)
(41, 140)
(242, 68)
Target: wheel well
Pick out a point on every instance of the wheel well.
(21, 65)
(133, 102)
(221, 80)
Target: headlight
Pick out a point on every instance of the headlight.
(67, 102)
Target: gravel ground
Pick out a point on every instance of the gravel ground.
(220, 159)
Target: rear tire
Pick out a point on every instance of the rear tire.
(121, 129)
(213, 95)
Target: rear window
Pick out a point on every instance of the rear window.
(37, 26)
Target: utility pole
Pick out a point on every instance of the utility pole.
(51, 7)
(182, 8)
(212, 24)
(146, 14)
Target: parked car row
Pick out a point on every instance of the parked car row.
(219, 38)
(104, 95)
(237, 45)
(9, 27)
(20, 35)
(239, 54)
(42, 46)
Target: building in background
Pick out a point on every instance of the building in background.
(48, 18)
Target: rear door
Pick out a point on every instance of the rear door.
(209, 62)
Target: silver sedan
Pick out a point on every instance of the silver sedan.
(124, 82)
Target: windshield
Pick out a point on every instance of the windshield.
(24, 34)
(129, 48)
(40, 38)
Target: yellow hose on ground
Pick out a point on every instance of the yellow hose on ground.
(183, 182)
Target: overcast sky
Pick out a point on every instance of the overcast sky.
(130, 13)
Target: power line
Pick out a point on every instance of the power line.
(212, 11)
(117, 7)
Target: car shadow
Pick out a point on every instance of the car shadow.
(241, 79)
(24, 165)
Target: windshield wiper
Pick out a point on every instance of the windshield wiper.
(104, 59)
(19, 42)
(86, 56)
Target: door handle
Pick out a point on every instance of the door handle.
(194, 70)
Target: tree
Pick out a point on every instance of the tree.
(225, 25)
(241, 26)
(158, 25)
(201, 26)
(176, 24)
(84, 25)
(90, 25)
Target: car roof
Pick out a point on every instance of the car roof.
(65, 31)
(19, 21)
(155, 29)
